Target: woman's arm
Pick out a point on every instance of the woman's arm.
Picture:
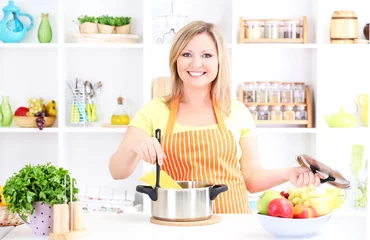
(258, 179)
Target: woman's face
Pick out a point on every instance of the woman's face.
(197, 64)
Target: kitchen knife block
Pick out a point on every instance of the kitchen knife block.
(68, 224)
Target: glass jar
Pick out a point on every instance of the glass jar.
(263, 112)
(286, 92)
(300, 112)
(253, 111)
(274, 92)
(249, 92)
(288, 113)
(292, 28)
(276, 113)
(299, 92)
(272, 29)
(261, 92)
(253, 29)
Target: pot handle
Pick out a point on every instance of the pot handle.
(152, 192)
(329, 178)
(217, 189)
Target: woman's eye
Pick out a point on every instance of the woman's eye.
(186, 54)
(207, 55)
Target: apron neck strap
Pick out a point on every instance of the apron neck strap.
(173, 113)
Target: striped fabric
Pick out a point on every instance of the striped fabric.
(206, 156)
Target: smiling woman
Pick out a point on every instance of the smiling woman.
(208, 135)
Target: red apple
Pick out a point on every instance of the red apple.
(21, 111)
(302, 211)
(280, 207)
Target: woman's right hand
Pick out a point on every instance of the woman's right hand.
(149, 150)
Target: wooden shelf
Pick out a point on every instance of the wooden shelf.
(281, 122)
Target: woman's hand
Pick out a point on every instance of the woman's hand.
(301, 176)
(149, 150)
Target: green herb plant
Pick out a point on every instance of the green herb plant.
(33, 183)
(106, 20)
(85, 18)
(121, 21)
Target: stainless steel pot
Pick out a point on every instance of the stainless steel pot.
(191, 203)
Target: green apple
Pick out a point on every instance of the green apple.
(265, 199)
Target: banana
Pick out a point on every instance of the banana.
(51, 111)
(50, 104)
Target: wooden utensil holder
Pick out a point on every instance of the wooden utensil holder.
(67, 222)
(303, 39)
(308, 101)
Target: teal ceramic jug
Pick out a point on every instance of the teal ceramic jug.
(6, 110)
(45, 33)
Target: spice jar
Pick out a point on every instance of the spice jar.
(288, 113)
(263, 112)
(249, 92)
(253, 111)
(261, 92)
(274, 92)
(299, 92)
(300, 112)
(272, 29)
(253, 29)
(292, 28)
(286, 92)
(276, 113)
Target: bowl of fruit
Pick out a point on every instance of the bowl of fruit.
(299, 212)
(36, 115)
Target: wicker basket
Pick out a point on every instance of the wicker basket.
(9, 219)
(30, 122)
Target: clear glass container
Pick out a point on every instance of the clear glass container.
(253, 111)
(120, 117)
(300, 112)
(249, 92)
(288, 113)
(262, 92)
(286, 92)
(272, 29)
(274, 92)
(292, 28)
(263, 112)
(276, 113)
(253, 29)
(299, 92)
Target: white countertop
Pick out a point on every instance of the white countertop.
(110, 226)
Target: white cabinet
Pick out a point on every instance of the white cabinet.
(336, 75)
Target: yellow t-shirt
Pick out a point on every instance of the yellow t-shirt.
(154, 115)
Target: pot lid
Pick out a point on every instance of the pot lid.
(329, 175)
(11, 7)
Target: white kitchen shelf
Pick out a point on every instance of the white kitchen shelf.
(28, 130)
(94, 130)
(29, 45)
(110, 45)
(285, 130)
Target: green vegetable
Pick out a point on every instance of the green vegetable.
(106, 20)
(121, 21)
(35, 183)
(86, 18)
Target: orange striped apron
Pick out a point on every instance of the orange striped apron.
(206, 156)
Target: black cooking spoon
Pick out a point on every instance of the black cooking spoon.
(158, 168)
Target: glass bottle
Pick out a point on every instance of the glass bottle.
(272, 29)
(286, 92)
(276, 113)
(253, 111)
(253, 29)
(299, 92)
(300, 112)
(263, 112)
(292, 28)
(274, 92)
(249, 92)
(288, 113)
(120, 117)
(261, 93)
(45, 33)
(7, 113)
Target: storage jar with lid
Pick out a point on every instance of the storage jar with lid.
(276, 113)
(263, 112)
(299, 92)
(253, 29)
(288, 113)
(286, 92)
(292, 28)
(300, 112)
(274, 92)
(253, 110)
(262, 92)
(272, 29)
(249, 92)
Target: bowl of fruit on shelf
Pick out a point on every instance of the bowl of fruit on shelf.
(298, 212)
(36, 115)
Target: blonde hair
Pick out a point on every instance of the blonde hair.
(221, 86)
